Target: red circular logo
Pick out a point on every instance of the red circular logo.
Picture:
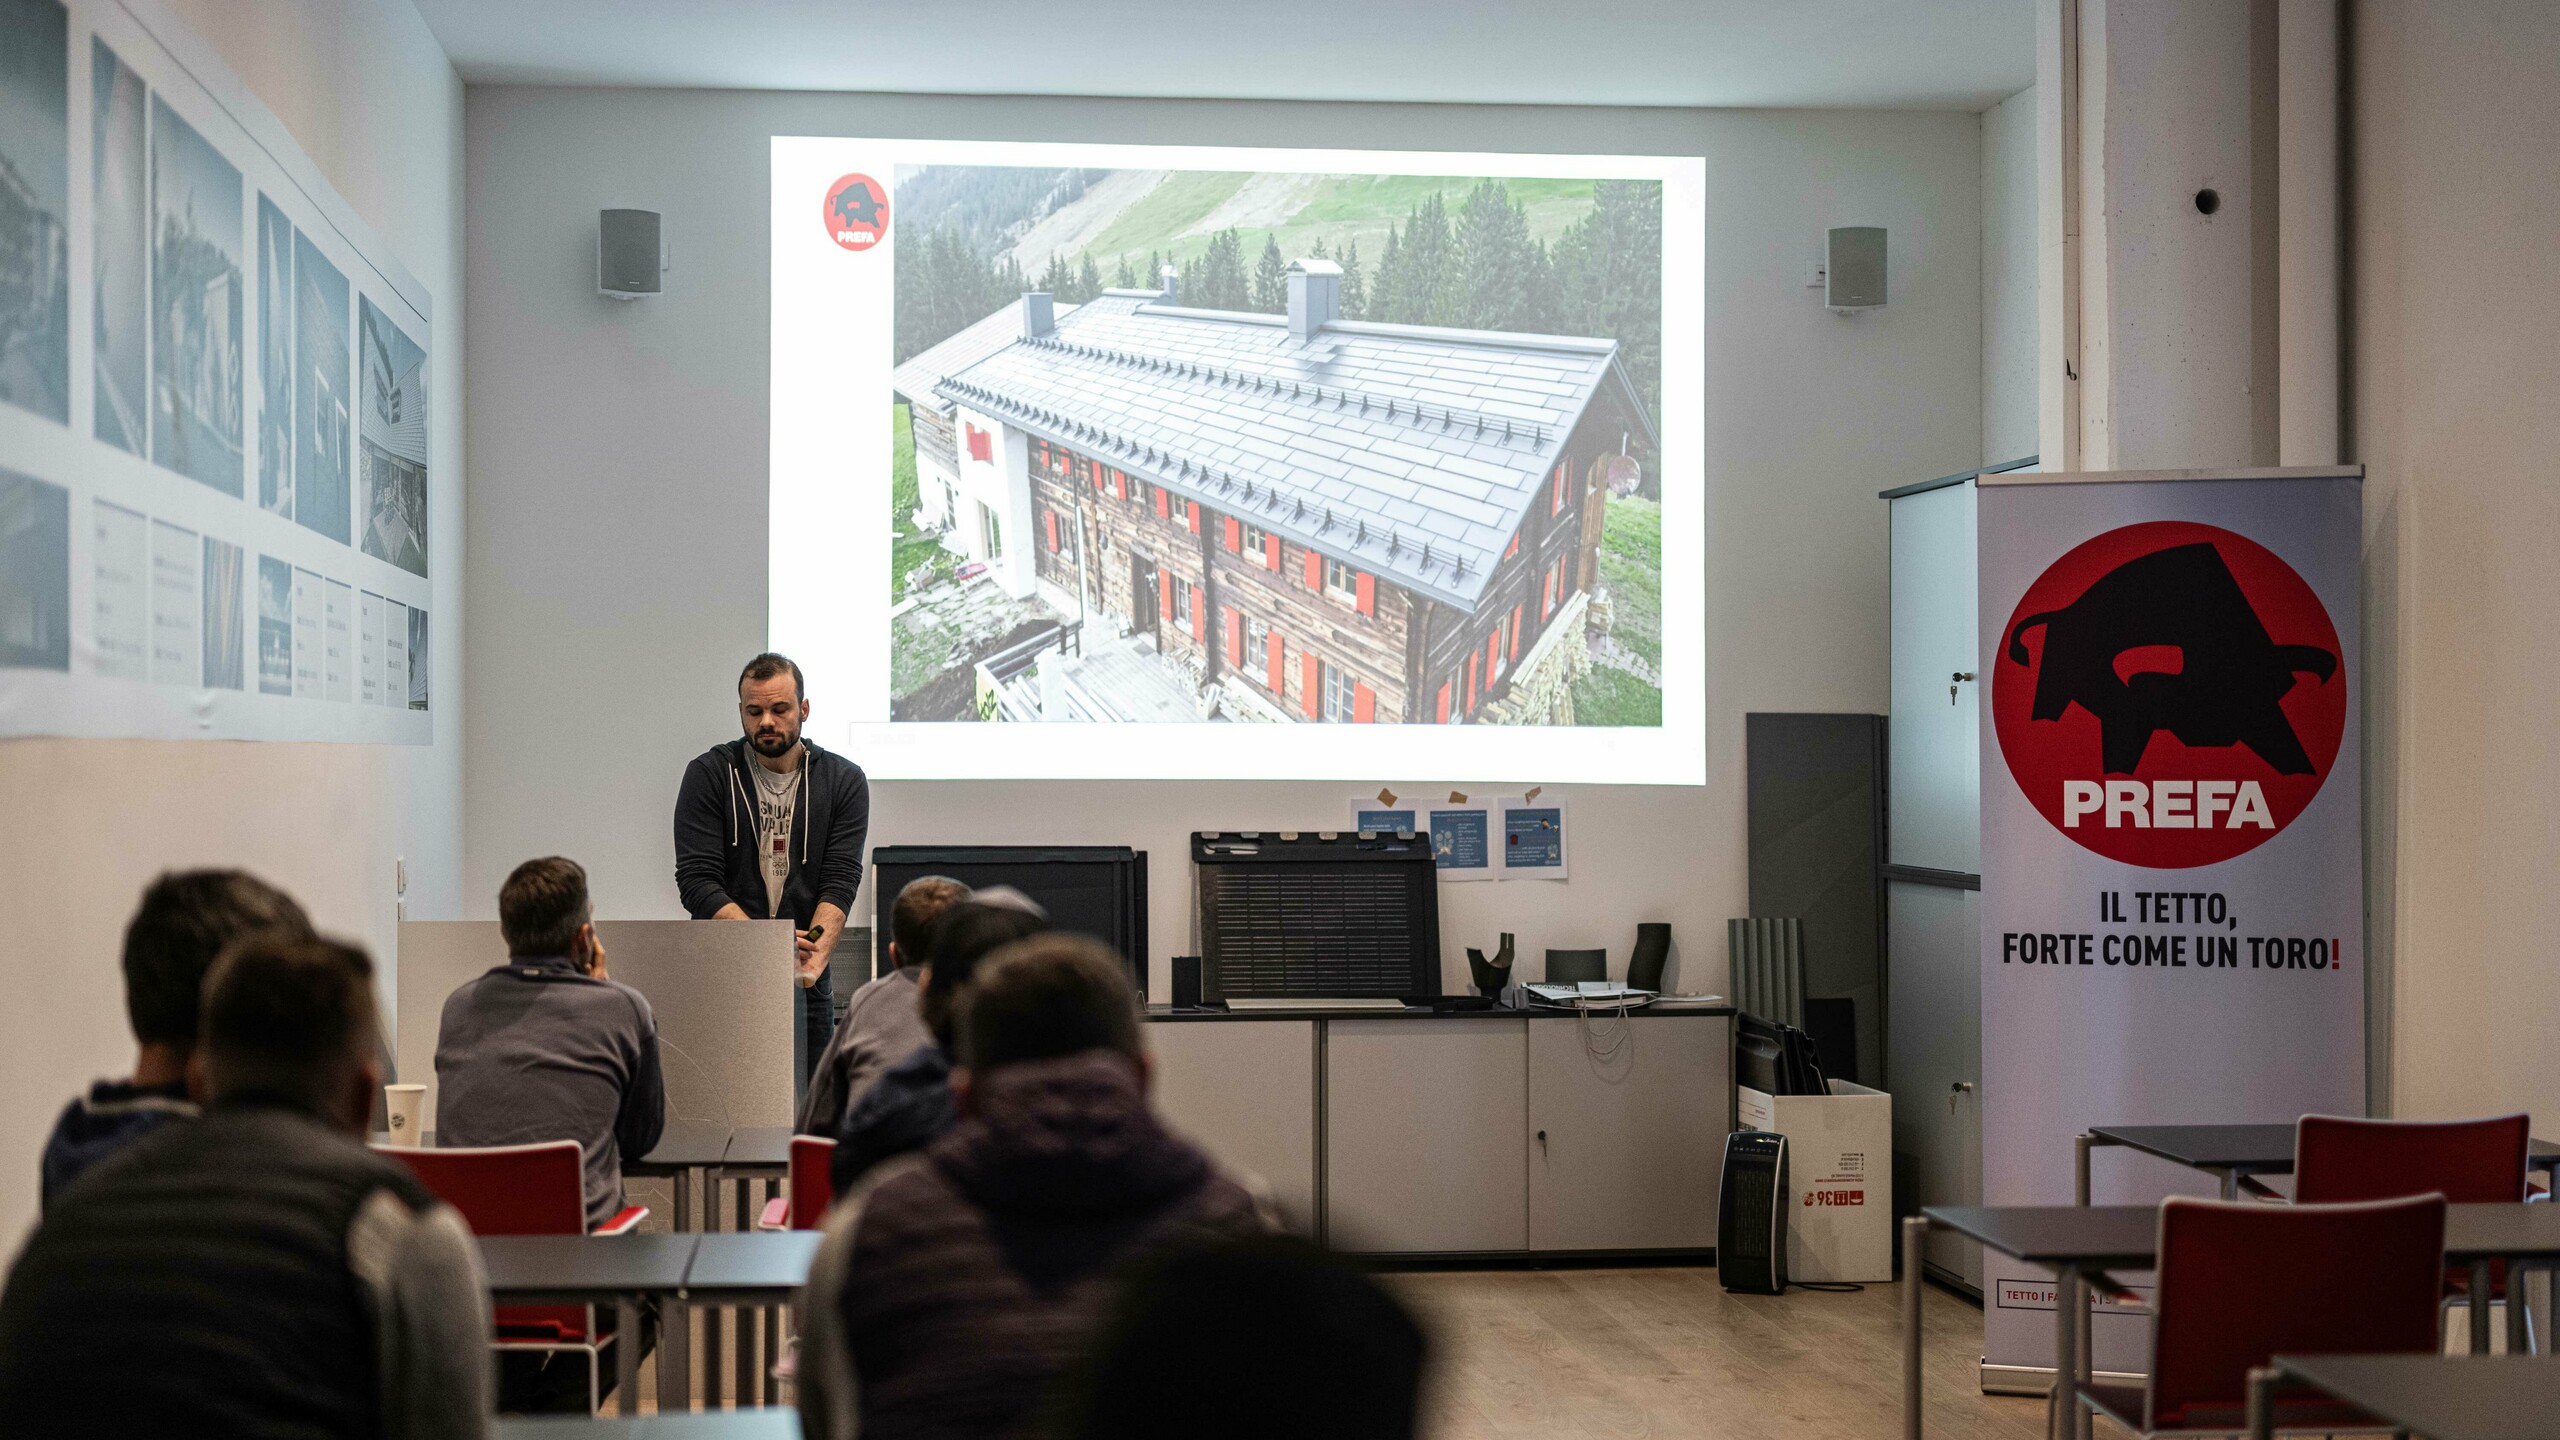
(857, 212)
(2169, 694)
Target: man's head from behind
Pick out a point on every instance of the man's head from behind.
(186, 920)
(967, 933)
(291, 1021)
(772, 703)
(543, 909)
(921, 903)
(1045, 997)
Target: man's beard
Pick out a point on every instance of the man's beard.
(772, 745)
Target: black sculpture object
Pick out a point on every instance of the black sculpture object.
(1653, 948)
(1490, 975)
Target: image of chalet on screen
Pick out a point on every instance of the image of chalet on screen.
(1262, 517)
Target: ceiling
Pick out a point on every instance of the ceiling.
(1940, 54)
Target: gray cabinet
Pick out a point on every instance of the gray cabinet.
(1627, 1120)
(1424, 1146)
(1247, 1093)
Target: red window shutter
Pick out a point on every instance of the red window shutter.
(1514, 550)
(1365, 586)
(1272, 668)
(1515, 632)
(1472, 657)
(1555, 505)
(981, 445)
(1051, 518)
(1164, 593)
(1315, 572)
(1164, 504)
(1271, 553)
(1235, 638)
(1120, 484)
(1492, 652)
(1364, 704)
(1444, 702)
(1192, 514)
(1311, 684)
(1547, 604)
(1234, 529)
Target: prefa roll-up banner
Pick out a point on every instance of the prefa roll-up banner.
(2172, 837)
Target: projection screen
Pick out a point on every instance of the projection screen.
(1108, 461)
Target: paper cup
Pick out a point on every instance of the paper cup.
(406, 1107)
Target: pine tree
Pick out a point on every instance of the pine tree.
(1428, 290)
(1154, 278)
(1270, 278)
(1217, 280)
(1122, 279)
(1088, 280)
(1355, 299)
(1494, 267)
(1386, 297)
(1058, 280)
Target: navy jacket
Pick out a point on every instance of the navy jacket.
(716, 860)
(907, 1108)
(114, 1114)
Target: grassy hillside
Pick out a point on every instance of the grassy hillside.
(1341, 210)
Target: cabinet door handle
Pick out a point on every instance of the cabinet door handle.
(1542, 1142)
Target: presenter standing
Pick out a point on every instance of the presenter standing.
(769, 826)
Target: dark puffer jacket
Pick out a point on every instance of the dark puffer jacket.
(955, 1287)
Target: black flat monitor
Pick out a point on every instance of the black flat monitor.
(1096, 890)
(1775, 1058)
(1303, 915)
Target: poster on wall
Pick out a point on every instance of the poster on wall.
(2172, 837)
(215, 474)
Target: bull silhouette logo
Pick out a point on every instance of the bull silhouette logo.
(2230, 675)
(857, 212)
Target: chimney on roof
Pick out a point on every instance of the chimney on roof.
(1039, 316)
(1315, 296)
(1172, 292)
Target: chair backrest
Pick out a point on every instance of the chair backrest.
(508, 1189)
(2337, 1159)
(2241, 1282)
(811, 1189)
(1767, 960)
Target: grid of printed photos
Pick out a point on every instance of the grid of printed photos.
(341, 425)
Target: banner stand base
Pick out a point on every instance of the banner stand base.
(2037, 1380)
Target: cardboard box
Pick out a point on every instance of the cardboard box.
(1840, 1167)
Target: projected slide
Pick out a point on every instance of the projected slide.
(1096, 461)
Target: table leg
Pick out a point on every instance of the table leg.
(2477, 1304)
(683, 1179)
(2262, 1403)
(1915, 1234)
(675, 1370)
(2519, 1305)
(2066, 1357)
(767, 1384)
(2230, 1183)
(711, 1322)
(746, 1318)
(2080, 1146)
(626, 1356)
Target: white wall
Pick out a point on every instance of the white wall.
(617, 526)
(2455, 200)
(368, 94)
(2009, 278)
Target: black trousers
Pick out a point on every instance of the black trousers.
(815, 1013)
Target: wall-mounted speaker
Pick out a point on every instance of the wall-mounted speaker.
(631, 256)
(1853, 268)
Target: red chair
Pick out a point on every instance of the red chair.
(527, 1190)
(2240, 1282)
(2338, 1159)
(809, 1191)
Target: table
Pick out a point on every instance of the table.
(752, 1270)
(756, 1153)
(683, 1148)
(2082, 1243)
(700, 1425)
(589, 1270)
(2230, 1153)
(2471, 1398)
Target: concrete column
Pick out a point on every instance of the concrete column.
(2159, 142)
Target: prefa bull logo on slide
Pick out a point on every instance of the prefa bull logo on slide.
(857, 212)
(2169, 694)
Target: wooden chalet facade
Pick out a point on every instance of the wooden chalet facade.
(1325, 521)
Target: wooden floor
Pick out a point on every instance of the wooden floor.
(1566, 1354)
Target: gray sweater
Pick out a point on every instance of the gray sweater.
(534, 1051)
(883, 1024)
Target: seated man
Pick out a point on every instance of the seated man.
(884, 1021)
(957, 1284)
(186, 919)
(548, 1046)
(257, 1271)
(909, 1106)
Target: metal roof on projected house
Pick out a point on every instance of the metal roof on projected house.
(917, 378)
(1409, 451)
